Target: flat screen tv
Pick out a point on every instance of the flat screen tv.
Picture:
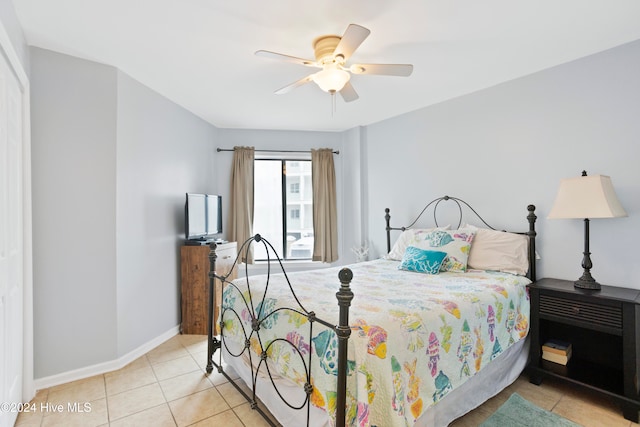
(203, 216)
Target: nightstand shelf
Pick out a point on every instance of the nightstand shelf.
(585, 372)
(602, 327)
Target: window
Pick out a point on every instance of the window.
(283, 207)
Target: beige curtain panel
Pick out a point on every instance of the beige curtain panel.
(241, 204)
(325, 212)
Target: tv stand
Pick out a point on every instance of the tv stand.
(198, 242)
(204, 241)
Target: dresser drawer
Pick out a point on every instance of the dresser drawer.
(226, 256)
(596, 314)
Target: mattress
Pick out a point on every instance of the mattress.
(416, 338)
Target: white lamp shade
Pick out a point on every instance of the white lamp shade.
(331, 78)
(587, 197)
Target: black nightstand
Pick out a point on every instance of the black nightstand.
(602, 327)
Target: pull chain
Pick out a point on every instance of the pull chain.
(333, 101)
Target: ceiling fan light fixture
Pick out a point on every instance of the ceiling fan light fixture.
(332, 53)
(331, 78)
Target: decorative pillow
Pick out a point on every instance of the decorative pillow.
(456, 243)
(422, 261)
(408, 238)
(499, 251)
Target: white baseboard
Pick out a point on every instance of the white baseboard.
(101, 368)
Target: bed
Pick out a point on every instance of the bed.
(416, 338)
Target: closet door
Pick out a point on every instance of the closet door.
(11, 242)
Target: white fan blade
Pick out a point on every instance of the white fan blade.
(352, 38)
(348, 93)
(287, 58)
(403, 70)
(294, 85)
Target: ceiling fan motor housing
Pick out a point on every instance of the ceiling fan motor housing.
(324, 46)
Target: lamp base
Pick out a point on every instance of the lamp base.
(587, 284)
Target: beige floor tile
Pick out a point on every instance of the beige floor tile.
(197, 347)
(231, 395)
(190, 339)
(29, 419)
(249, 416)
(167, 354)
(587, 414)
(201, 359)
(133, 401)
(81, 391)
(41, 396)
(226, 419)
(158, 416)
(197, 407)
(473, 418)
(544, 395)
(140, 362)
(75, 383)
(482, 412)
(184, 385)
(129, 379)
(173, 368)
(91, 415)
(217, 378)
(169, 350)
(33, 415)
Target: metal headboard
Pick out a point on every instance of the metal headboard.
(531, 233)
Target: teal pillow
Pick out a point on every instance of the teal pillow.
(456, 243)
(422, 260)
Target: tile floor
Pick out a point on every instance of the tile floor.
(167, 387)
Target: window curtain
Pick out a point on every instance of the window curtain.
(325, 212)
(241, 205)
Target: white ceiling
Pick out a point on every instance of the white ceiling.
(200, 53)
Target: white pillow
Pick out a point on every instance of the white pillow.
(499, 251)
(406, 239)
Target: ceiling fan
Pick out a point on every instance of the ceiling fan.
(331, 53)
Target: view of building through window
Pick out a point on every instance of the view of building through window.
(283, 207)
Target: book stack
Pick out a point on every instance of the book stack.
(556, 351)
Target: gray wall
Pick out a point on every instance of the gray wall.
(73, 116)
(163, 151)
(111, 163)
(354, 189)
(508, 146)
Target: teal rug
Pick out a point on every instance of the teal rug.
(519, 412)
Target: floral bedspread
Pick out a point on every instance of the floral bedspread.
(415, 337)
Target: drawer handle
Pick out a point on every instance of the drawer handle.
(576, 310)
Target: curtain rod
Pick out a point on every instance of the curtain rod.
(275, 151)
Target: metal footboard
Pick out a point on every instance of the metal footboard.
(257, 350)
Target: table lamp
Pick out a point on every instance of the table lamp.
(586, 197)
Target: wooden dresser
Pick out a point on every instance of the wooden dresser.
(195, 285)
